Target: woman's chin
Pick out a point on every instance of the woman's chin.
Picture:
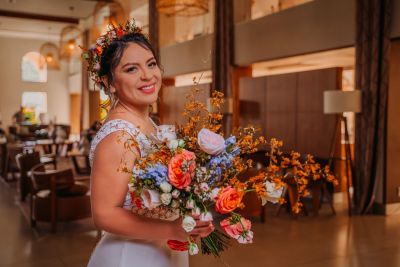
(148, 99)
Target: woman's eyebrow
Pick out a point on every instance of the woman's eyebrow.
(135, 63)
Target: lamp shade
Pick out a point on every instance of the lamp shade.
(106, 13)
(70, 39)
(51, 55)
(337, 101)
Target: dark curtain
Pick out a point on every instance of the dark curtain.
(372, 62)
(223, 52)
(154, 27)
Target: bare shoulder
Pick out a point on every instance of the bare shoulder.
(116, 150)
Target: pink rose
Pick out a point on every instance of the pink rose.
(237, 228)
(210, 142)
(181, 169)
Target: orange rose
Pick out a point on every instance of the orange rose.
(181, 169)
(228, 200)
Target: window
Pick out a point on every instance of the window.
(33, 68)
(34, 104)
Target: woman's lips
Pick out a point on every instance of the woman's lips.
(148, 89)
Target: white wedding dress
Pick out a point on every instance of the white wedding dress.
(120, 251)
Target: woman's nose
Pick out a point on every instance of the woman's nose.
(146, 74)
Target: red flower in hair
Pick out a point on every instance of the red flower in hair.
(120, 33)
(99, 50)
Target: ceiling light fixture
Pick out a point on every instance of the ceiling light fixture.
(182, 7)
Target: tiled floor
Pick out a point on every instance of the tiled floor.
(324, 241)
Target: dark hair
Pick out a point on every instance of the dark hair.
(112, 55)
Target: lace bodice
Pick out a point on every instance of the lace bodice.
(115, 126)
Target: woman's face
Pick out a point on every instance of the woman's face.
(137, 78)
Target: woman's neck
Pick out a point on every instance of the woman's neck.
(137, 112)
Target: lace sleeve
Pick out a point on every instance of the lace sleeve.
(114, 126)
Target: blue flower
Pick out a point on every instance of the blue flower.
(223, 161)
(231, 147)
(235, 151)
(230, 141)
(158, 173)
(215, 174)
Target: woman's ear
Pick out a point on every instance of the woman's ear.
(108, 85)
(112, 89)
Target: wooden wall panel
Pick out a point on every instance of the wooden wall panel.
(315, 129)
(290, 108)
(174, 99)
(252, 102)
(393, 127)
(280, 119)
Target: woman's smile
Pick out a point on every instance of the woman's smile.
(148, 89)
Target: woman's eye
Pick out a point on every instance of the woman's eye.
(131, 69)
(152, 64)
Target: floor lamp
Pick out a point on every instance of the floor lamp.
(338, 102)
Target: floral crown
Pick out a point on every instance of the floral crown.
(93, 54)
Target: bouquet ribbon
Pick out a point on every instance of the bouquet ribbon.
(178, 245)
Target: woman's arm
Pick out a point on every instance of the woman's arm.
(108, 191)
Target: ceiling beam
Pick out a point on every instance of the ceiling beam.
(22, 15)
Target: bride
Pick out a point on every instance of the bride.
(125, 66)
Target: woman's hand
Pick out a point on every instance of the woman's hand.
(202, 229)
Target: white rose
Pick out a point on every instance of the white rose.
(188, 223)
(206, 217)
(173, 144)
(166, 133)
(166, 198)
(193, 248)
(210, 142)
(273, 193)
(150, 198)
(166, 187)
(175, 193)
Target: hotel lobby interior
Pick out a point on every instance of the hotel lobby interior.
(322, 76)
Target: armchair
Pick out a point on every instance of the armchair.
(56, 196)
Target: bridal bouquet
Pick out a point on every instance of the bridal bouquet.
(192, 171)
